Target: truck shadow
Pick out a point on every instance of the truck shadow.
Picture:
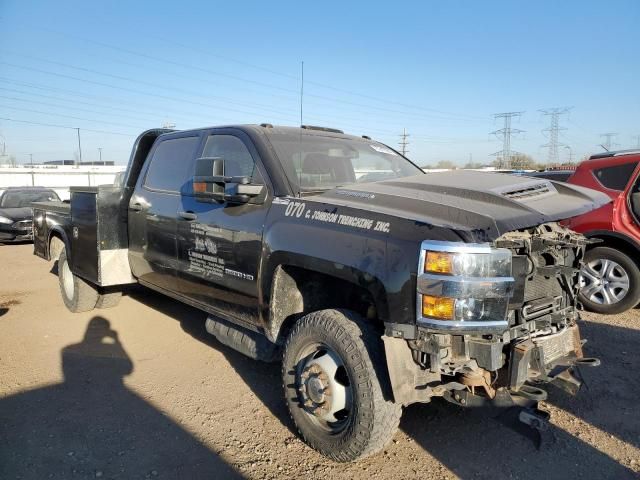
(469, 443)
(92, 425)
(608, 399)
(263, 378)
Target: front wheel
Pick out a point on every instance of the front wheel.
(609, 281)
(77, 294)
(334, 377)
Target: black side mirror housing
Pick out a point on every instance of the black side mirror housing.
(210, 181)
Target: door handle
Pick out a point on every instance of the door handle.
(136, 207)
(187, 215)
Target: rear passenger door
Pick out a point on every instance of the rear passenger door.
(220, 244)
(165, 176)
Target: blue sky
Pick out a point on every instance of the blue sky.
(439, 69)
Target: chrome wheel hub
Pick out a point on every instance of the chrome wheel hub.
(323, 387)
(604, 282)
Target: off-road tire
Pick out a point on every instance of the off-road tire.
(108, 299)
(632, 297)
(84, 296)
(374, 420)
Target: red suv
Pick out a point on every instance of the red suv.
(611, 273)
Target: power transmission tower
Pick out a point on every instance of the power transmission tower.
(505, 156)
(637, 139)
(554, 132)
(608, 143)
(404, 142)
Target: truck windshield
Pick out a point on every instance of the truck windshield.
(24, 198)
(317, 162)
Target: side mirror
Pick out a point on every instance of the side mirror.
(210, 181)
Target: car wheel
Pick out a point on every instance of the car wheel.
(609, 281)
(77, 294)
(334, 377)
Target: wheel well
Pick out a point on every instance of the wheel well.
(296, 291)
(55, 253)
(619, 244)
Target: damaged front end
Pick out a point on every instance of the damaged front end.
(495, 322)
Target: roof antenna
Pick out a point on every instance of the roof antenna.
(605, 148)
(301, 90)
(300, 133)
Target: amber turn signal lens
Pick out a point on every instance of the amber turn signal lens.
(438, 262)
(199, 187)
(441, 308)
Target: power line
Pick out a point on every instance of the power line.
(404, 142)
(73, 117)
(149, 84)
(366, 129)
(554, 131)
(506, 155)
(237, 78)
(222, 99)
(41, 124)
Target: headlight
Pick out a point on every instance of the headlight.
(496, 263)
(463, 286)
(5, 220)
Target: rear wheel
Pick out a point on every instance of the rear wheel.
(55, 248)
(609, 281)
(77, 294)
(334, 377)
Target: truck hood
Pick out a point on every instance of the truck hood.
(16, 214)
(489, 204)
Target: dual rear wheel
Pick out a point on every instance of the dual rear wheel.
(79, 295)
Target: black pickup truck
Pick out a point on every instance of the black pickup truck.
(375, 284)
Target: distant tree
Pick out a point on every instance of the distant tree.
(473, 165)
(446, 164)
(426, 167)
(519, 162)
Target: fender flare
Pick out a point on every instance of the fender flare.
(615, 235)
(631, 245)
(373, 285)
(58, 231)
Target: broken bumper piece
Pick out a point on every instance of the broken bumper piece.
(554, 359)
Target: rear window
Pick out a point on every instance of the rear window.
(170, 165)
(615, 177)
(19, 199)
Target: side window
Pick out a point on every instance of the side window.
(238, 162)
(170, 167)
(616, 177)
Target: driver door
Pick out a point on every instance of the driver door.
(220, 243)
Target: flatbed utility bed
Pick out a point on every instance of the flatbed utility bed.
(57, 207)
(93, 229)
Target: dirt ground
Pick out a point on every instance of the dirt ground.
(142, 391)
